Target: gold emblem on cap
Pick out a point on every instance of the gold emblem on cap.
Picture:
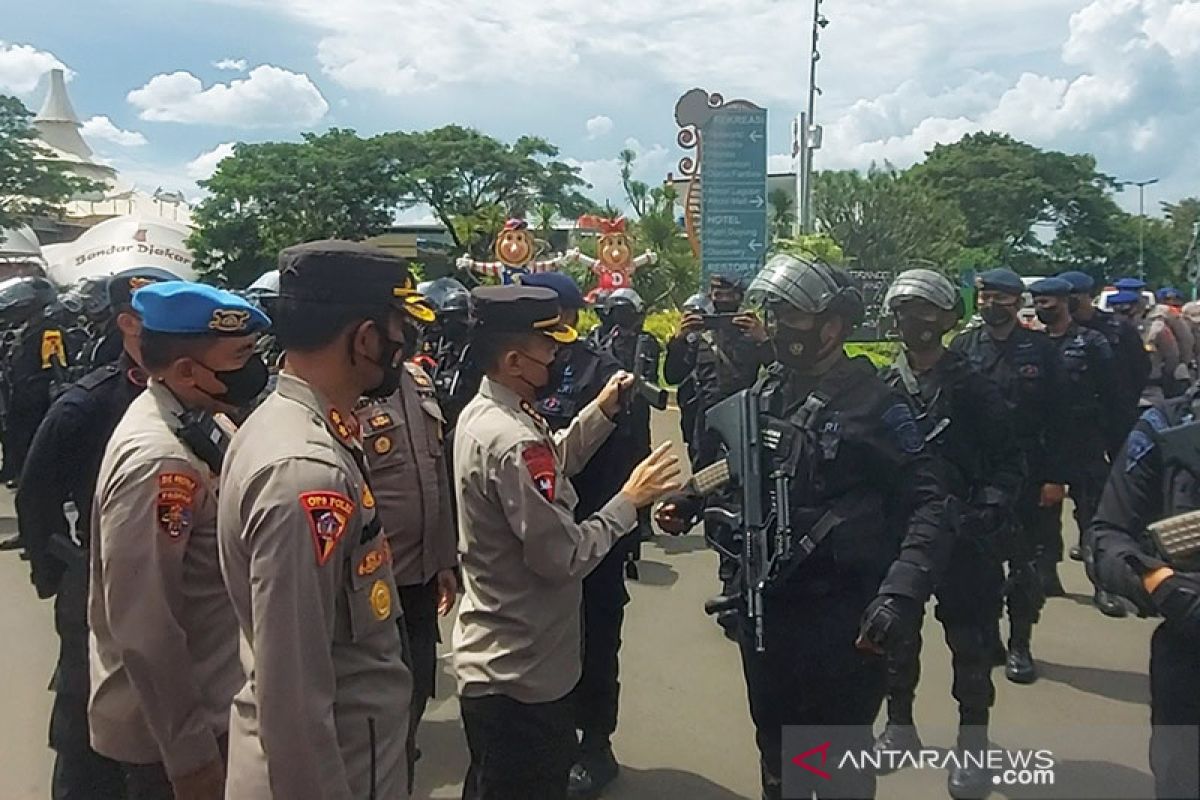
(137, 283)
(229, 321)
(383, 445)
(381, 600)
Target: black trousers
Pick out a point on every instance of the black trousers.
(811, 674)
(1023, 590)
(420, 637)
(1174, 675)
(968, 604)
(150, 781)
(519, 751)
(597, 695)
(1085, 489)
(80, 773)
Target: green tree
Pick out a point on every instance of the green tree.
(32, 183)
(268, 196)
(459, 172)
(783, 213)
(813, 245)
(884, 219)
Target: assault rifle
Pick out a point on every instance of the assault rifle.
(1178, 538)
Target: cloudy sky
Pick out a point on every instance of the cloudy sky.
(166, 86)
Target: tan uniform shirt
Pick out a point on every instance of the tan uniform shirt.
(163, 642)
(402, 437)
(325, 704)
(523, 555)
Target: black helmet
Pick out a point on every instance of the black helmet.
(447, 296)
(923, 284)
(698, 304)
(811, 286)
(21, 296)
(625, 297)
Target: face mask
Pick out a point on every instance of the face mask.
(1049, 316)
(796, 348)
(623, 317)
(996, 316)
(392, 363)
(726, 306)
(242, 385)
(919, 334)
(554, 370)
(1073, 305)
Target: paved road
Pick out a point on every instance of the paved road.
(685, 732)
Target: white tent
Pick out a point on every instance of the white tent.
(19, 244)
(119, 244)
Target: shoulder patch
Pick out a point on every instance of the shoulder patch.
(380, 420)
(1156, 419)
(1137, 447)
(539, 460)
(53, 349)
(899, 418)
(176, 496)
(374, 558)
(328, 517)
(418, 374)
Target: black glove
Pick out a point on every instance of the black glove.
(685, 515)
(890, 620)
(1178, 598)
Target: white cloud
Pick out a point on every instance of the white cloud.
(22, 66)
(102, 128)
(231, 64)
(204, 165)
(604, 174)
(268, 96)
(599, 126)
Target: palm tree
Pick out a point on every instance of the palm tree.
(782, 213)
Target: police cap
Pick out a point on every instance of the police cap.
(565, 286)
(1000, 280)
(1123, 297)
(520, 309)
(182, 308)
(1081, 282)
(1050, 287)
(122, 285)
(332, 271)
(1130, 284)
(1170, 295)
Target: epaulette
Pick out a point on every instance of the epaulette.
(98, 377)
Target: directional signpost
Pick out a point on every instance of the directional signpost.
(733, 201)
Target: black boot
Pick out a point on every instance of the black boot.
(896, 737)
(1076, 553)
(969, 778)
(1020, 667)
(597, 768)
(1110, 605)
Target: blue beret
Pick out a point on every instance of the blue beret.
(1000, 280)
(1130, 284)
(1050, 287)
(1080, 281)
(189, 308)
(1124, 297)
(1167, 293)
(565, 286)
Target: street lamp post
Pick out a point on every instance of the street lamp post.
(808, 132)
(1141, 219)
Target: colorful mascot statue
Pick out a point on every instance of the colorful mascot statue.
(615, 266)
(515, 250)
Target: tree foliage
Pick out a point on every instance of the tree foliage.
(32, 183)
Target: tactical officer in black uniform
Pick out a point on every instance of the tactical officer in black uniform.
(1092, 400)
(679, 366)
(867, 519)
(444, 352)
(63, 465)
(580, 372)
(1155, 479)
(1027, 367)
(966, 422)
(1131, 362)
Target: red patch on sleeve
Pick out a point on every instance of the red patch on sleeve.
(328, 517)
(176, 495)
(539, 460)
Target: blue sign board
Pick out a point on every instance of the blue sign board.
(733, 200)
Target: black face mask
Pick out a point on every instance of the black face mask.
(242, 385)
(1073, 305)
(555, 368)
(391, 361)
(796, 348)
(1049, 316)
(624, 317)
(996, 316)
(726, 306)
(919, 334)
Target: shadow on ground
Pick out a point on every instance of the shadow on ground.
(1126, 687)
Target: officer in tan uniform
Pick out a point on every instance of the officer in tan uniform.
(517, 647)
(402, 437)
(163, 645)
(324, 712)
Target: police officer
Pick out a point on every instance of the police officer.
(524, 556)
(1091, 397)
(62, 466)
(964, 418)
(403, 439)
(868, 500)
(1146, 486)
(444, 353)
(163, 646)
(1166, 364)
(583, 374)
(1131, 363)
(1026, 366)
(109, 338)
(324, 711)
(1170, 304)
(679, 367)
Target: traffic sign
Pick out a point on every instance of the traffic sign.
(733, 184)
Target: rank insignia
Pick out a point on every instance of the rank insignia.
(373, 560)
(328, 516)
(381, 600)
(345, 427)
(539, 460)
(382, 445)
(229, 320)
(381, 421)
(176, 493)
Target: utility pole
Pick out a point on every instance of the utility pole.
(1141, 219)
(808, 132)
